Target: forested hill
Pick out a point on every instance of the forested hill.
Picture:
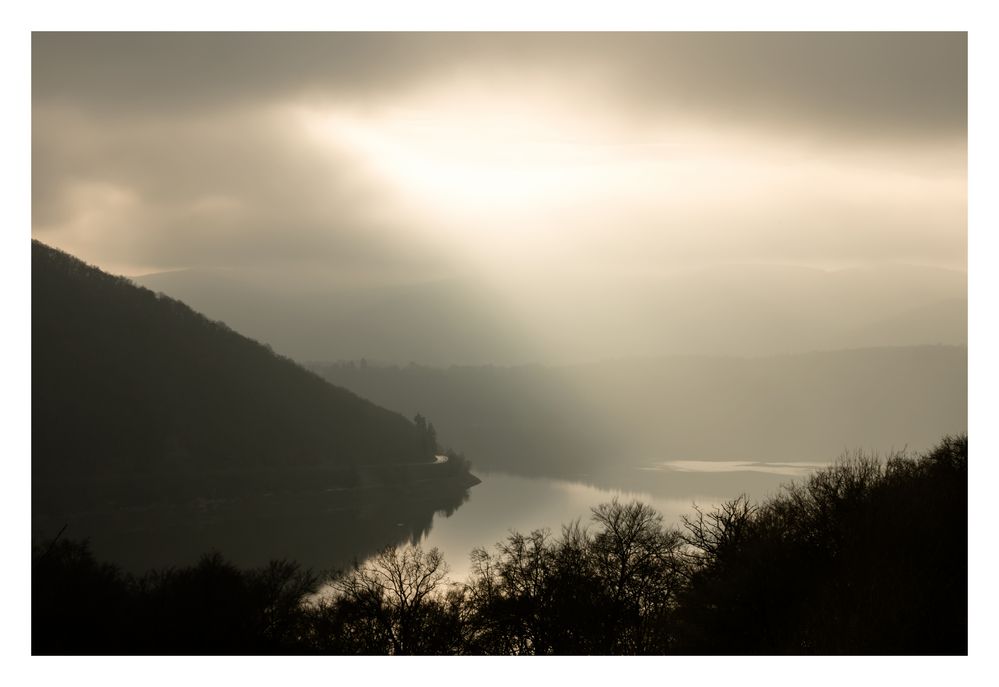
(129, 382)
(574, 419)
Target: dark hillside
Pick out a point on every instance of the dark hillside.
(133, 391)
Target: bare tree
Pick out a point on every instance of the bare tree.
(637, 561)
(404, 592)
(609, 590)
(509, 591)
(710, 534)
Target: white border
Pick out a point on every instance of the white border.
(515, 15)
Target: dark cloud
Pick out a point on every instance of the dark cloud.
(870, 84)
(209, 190)
(172, 150)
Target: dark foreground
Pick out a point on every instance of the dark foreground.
(862, 558)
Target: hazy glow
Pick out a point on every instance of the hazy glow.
(570, 176)
(489, 178)
(517, 176)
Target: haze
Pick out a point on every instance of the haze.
(587, 195)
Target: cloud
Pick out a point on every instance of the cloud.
(873, 84)
(161, 151)
(228, 188)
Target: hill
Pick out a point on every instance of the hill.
(573, 420)
(137, 397)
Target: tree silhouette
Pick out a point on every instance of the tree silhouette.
(638, 563)
(609, 591)
(865, 556)
(400, 599)
(80, 606)
(862, 557)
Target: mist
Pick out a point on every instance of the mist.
(572, 184)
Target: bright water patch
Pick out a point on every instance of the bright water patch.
(506, 503)
(795, 469)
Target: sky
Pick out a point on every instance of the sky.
(410, 156)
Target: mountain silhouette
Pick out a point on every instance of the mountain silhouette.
(137, 398)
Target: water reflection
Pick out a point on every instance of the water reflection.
(331, 529)
(717, 466)
(319, 529)
(504, 503)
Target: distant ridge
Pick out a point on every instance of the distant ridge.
(575, 419)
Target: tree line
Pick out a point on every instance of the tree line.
(863, 557)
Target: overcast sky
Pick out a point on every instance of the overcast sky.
(408, 156)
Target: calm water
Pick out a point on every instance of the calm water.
(328, 529)
(504, 502)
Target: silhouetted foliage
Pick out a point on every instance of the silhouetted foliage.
(399, 602)
(429, 434)
(863, 557)
(608, 591)
(78, 606)
(82, 607)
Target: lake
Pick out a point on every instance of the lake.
(327, 529)
(506, 502)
